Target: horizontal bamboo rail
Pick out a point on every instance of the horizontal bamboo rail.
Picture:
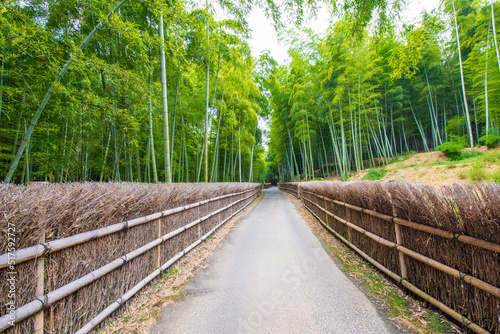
(429, 229)
(52, 297)
(424, 259)
(129, 294)
(452, 313)
(25, 254)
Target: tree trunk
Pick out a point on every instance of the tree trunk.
(239, 149)
(250, 177)
(495, 32)
(462, 77)
(166, 145)
(486, 78)
(1, 86)
(151, 141)
(173, 124)
(116, 161)
(206, 101)
(216, 152)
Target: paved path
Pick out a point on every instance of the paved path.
(272, 276)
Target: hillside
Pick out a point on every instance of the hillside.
(436, 169)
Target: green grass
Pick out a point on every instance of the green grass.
(491, 140)
(377, 285)
(469, 154)
(477, 173)
(402, 157)
(492, 156)
(451, 149)
(435, 323)
(375, 174)
(168, 274)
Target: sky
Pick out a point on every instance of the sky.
(264, 36)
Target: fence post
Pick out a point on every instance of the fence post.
(348, 217)
(326, 214)
(220, 206)
(399, 241)
(51, 320)
(158, 258)
(40, 273)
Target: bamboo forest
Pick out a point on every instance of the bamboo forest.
(168, 91)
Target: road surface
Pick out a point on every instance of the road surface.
(271, 276)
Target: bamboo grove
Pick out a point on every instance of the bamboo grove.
(138, 103)
(348, 101)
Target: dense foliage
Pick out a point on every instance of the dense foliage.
(348, 101)
(105, 119)
(367, 91)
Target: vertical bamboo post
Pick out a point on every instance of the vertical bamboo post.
(230, 202)
(220, 213)
(399, 241)
(326, 214)
(40, 273)
(198, 226)
(51, 320)
(158, 257)
(348, 217)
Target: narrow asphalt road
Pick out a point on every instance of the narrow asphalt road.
(272, 276)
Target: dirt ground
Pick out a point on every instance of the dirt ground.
(422, 168)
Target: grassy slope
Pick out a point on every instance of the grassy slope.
(435, 169)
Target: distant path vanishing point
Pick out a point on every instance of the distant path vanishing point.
(271, 276)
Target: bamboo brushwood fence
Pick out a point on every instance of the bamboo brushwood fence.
(442, 245)
(291, 188)
(79, 269)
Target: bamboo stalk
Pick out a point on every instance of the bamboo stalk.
(29, 253)
(51, 320)
(399, 241)
(455, 315)
(402, 262)
(51, 90)
(129, 294)
(424, 259)
(52, 297)
(40, 273)
(425, 228)
(158, 255)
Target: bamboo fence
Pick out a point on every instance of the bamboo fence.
(61, 273)
(291, 188)
(443, 245)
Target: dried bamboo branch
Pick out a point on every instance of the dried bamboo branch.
(429, 229)
(29, 253)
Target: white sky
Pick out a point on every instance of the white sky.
(264, 36)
